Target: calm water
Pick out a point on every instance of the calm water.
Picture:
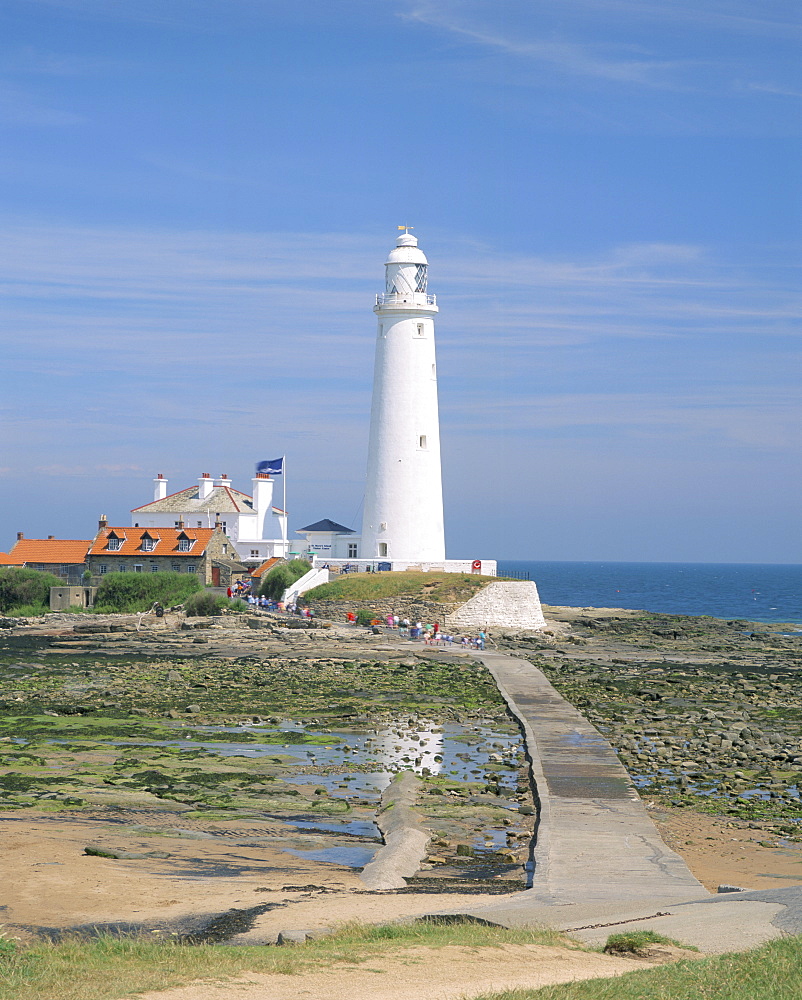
(763, 593)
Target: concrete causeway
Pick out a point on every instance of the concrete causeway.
(599, 863)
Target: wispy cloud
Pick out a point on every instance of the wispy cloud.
(29, 60)
(571, 57)
(773, 88)
(20, 106)
(737, 16)
(643, 47)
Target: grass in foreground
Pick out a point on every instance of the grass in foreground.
(110, 968)
(772, 972)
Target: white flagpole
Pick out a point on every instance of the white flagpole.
(284, 505)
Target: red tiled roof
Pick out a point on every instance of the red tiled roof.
(7, 560)
(49, 550)
(166, 541)
(264, 567)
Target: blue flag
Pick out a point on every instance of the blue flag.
(271, 468)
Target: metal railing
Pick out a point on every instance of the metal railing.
(413, 298)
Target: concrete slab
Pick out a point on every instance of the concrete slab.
(599, 863)
(595, 843)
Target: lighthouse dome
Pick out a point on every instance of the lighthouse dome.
(406, 251)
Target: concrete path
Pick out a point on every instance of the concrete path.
(405, 840)
(599, 861)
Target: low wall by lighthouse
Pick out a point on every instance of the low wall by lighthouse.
(506, 604)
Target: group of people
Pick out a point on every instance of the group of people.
(432, 638)
(432, 635)
(261, 603)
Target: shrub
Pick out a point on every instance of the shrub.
(205, 603)
(201, 603)
(27, 611)
(25, 589)
(282, 576)
(127, 592)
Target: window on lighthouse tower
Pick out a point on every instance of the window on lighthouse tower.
(420, 277)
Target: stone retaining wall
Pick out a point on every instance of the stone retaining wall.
(410, 607)
(506, 604)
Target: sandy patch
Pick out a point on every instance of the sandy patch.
(418, 973)
(722, 851)
(50, 883)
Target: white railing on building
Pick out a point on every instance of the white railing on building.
(412, 298)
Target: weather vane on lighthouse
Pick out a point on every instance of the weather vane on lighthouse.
(406, 228)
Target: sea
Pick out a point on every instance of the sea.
(754, 591)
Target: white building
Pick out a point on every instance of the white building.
(402, 526)
(325, 540)
(403, 514)
(257, 528)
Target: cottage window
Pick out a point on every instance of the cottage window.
(352, 549)
(122, 568)
(115, 544)
(176, 567)
(148, 544)
(154, 567)
(190, 567)
(102, 569)
(185, 544)
(137, 567)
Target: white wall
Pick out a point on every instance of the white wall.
(404, 494)
(314, 578)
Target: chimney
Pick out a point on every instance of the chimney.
(20, 536)
(206, 485)
(217, 523)
(262, 486)
(159, 487)
(50, 537)
(102, 522)
(223, 481)
(181, 523)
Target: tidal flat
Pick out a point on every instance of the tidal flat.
(271, 743)
(705, 714)
(237, 764)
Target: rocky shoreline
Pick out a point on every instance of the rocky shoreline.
(706, 716)
(704, 713)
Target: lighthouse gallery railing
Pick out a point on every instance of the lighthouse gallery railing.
(413, 298)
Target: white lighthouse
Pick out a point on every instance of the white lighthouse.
(403, 517)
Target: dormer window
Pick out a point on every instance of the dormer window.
(148, 544)
(185, 543)
(114, 544)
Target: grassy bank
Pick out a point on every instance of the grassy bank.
(772, 972)
(109, 968)
(441, 587)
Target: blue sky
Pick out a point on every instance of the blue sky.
(197, 197)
